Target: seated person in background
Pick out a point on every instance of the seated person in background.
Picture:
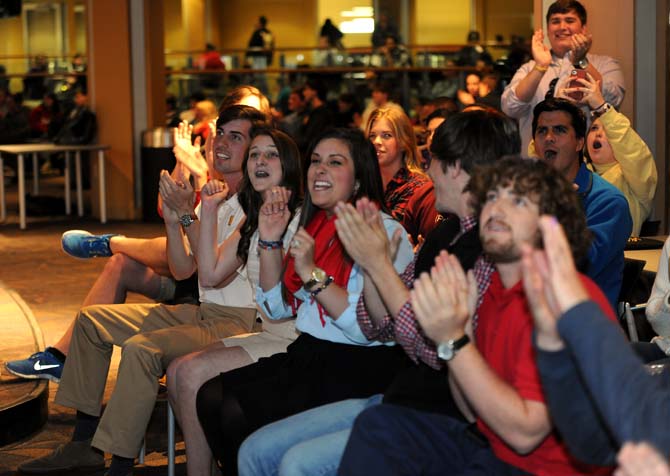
(470, 94)
(292, 122)
(617, 153)
(272, 167)
(348, 111)
(496, 374)
(47, 118)
(551, 68)
(589, 371)
(15, 121)
(489, 95)
(80, 126)
(394, 54)
(319, 117)
(559, 130)
(312, 442)
(189, 114)
(151, 335)
(432, 122)
(331, 359)
(380, 97)
(408, 193)
(205, 112)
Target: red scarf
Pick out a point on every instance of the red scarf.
(329, 255)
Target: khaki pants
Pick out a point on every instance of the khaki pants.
(151, 336)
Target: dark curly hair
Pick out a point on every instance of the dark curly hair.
(545, 186)
(251, 201)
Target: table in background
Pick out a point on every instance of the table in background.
(19, 150)
(651, 256)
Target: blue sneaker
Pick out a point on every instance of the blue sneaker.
(82, 244)
(39, 365)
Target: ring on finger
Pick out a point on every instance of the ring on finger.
(295, 243)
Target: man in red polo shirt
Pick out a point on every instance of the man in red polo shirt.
(496, 374)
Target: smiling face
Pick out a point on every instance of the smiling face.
(560, 28)
(264, 165)
(508, 219)
(231, 145)
(331, 174)
(386, 144)
(599, 148)
(556, 142)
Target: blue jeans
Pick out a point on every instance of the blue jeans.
(309, 443)
(398, 441)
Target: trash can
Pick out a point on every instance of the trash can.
(156, 155)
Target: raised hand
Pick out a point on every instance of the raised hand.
(442, 301)
(566, 286)
(541, 52)
(209, 148)
(641, 459)
(187, 154)
(213, 193)
(178, 197)
(274, 214)
(540, 298)
(581, 44)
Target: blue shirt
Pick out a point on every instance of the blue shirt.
(608, 218)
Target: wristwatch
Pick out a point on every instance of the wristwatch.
(187, 220)
(318, 276)
(447, 350)
(582, 63)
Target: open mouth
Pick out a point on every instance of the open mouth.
(550, 154)
(496, 225)
(261, 174)
(322, 185)
(222, 156)
(597, 144)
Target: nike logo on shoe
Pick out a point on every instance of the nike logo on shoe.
(38, 367)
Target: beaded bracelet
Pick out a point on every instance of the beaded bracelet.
(270, 245)
(325, 284)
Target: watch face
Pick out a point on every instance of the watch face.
(445, 351)
(319, 275)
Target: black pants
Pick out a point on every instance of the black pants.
(312, 372)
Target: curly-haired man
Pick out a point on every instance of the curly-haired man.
(497, 374)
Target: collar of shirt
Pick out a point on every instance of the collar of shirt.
(467, 223)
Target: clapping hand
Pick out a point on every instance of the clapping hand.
(581, 44)
(444, 301)
(362, 233)
(541, 52)
(178, 197)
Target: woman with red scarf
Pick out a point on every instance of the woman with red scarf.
(316, 281)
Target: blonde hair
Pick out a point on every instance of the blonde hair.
(402, 131)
